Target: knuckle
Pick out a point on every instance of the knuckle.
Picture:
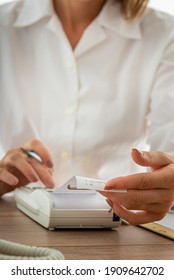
(144, 183)
(15, 155)
(10, 152)
(168, 157)
(137, 199)
(133, 205)
(11, 156)
(134, 202)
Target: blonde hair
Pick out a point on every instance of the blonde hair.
(132, 9)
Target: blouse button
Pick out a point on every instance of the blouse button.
(70, 63)
(64, 155)
(70, 111)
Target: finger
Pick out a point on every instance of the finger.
(134, 199)
(162, 178)
(8, 178)
(26, 169)
(41, 150)
(149, 207)
(155, 160)
(20, 162)
(136, 218)
(43, 173)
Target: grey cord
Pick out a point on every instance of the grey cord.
(15, 251)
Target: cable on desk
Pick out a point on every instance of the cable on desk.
(15, 251)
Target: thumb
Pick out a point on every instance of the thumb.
(155, 160)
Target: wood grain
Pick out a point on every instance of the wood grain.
(127, 242)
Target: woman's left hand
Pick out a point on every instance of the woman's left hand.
(150, 192)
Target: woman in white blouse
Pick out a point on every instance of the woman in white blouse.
(88, 80)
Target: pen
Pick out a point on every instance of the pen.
(32, 154)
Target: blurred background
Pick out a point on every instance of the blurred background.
(163, 5)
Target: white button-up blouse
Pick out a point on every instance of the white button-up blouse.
(91, 105)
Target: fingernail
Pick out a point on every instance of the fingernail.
(50, 183)
(142, 154)
(12, 181)
(138, 151)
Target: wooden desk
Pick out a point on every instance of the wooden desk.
(126, 242)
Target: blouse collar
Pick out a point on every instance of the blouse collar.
(27, 12)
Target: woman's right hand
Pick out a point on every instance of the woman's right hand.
(17, 169)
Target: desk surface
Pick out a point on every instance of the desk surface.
(127, 242)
